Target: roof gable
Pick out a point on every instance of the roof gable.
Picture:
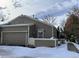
(30, 18)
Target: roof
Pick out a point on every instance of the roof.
(29, 18)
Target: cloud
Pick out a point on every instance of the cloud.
(58, 8)
(40, 8)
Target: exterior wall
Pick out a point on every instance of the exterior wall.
(47, 29)
(33, 31)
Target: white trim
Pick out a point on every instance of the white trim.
(17, 25)
(14, 31)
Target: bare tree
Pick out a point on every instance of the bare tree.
(63, 23)
(2, 16)
(49, 19)
(74, 10)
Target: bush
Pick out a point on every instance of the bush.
(71, 37)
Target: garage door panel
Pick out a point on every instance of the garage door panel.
(14, 38)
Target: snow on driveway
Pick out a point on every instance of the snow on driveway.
(39, 52)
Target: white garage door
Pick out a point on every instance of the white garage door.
(14, 38)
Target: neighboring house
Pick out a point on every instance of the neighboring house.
(19, 30)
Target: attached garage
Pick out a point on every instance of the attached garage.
(15, 35)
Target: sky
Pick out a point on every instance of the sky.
(40, 8)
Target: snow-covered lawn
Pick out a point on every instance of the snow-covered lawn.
(39, 52)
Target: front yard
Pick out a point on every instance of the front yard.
(39, 52)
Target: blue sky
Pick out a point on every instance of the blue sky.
(40, 8)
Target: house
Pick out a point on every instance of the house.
(19, 30)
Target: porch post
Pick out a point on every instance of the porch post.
(55, 43)
(28, 36)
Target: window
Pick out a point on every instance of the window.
(40, 33)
